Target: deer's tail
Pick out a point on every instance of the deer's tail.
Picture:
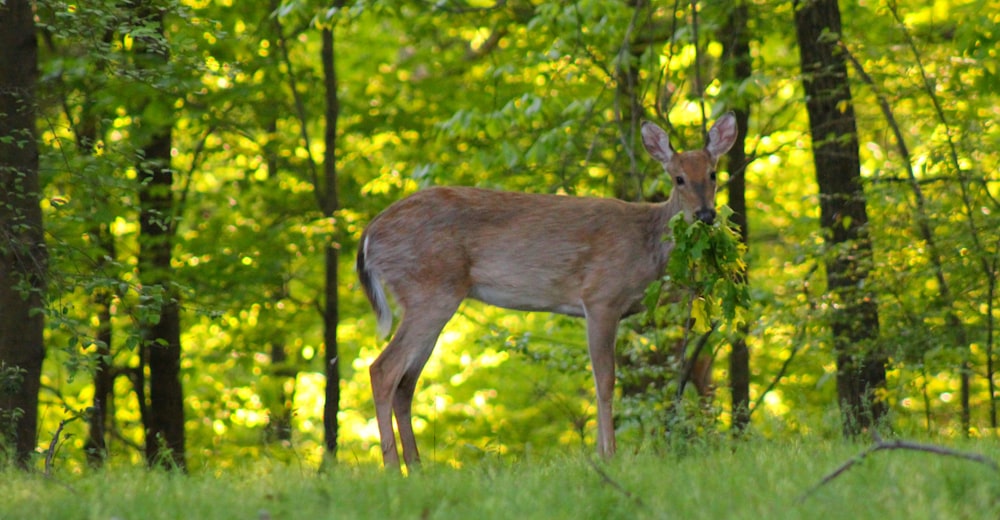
(374, 290)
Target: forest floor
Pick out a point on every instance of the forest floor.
(758, 479)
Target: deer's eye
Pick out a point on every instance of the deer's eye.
(711, 176)
(679, 180)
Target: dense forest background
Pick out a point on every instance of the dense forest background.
(205, 168)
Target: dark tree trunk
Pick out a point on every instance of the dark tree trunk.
(843, 215)
(329, 205)
(23, 259)
(161, 334)
(96, 447)
(735, 37)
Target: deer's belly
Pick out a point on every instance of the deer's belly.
(524, 300)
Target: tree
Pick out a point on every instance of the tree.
(735, 36)
(23, 258)
(86, 120)
(164, 420)
(843, 214)
(326, 191)
(327, 200)
(523, 96)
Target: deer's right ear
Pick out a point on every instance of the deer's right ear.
(657, 142)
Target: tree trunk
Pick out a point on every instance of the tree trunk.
(87, 136)
(279, 422)
(329, 205)
(96, 448)
(161, 336)
(23, 258)
(279, 425)
(161, 333)
(843, 215)
(735, 38)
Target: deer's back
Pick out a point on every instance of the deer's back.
(516, 250)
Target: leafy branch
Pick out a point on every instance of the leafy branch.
(708, 261)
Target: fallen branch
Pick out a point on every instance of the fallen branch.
(899, 444)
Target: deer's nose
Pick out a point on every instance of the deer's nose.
(705, 215)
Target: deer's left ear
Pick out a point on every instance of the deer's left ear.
(722, 136)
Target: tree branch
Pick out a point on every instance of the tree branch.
(51, 451)
(300, 107)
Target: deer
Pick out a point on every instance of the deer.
(587, 257)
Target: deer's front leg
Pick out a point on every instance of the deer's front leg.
(602, 325)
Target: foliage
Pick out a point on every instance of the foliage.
(528, 96)
(701, 290)
(708, 261)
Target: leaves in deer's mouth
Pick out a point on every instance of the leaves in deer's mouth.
(708, 260)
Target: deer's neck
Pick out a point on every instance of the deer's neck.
(664, 211)
(667, 210)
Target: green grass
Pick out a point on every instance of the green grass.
(755, 480)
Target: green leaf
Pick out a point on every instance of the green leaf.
(700, 312)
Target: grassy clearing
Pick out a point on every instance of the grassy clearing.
(756, 480)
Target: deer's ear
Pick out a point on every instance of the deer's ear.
(657, 142)
(722, 136)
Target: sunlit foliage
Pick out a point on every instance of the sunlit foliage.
(520, 95)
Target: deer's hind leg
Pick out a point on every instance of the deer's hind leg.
(395, 372)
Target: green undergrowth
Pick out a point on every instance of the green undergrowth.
(758, 479)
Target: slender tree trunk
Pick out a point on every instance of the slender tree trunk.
(161, 334)
(23, 259)
(843, 215)
(629, 112)
(327, 200)
(279, 424)
(735, 37)
(330, 204)
(279, 427)
(990, 323)
(96, 446)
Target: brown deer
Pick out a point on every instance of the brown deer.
(587, 257)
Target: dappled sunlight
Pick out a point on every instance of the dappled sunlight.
(265, 168)
(310, 388)
(467, 392)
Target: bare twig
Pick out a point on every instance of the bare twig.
(300, 107)
(899, 444)
(615, 484)
(796, 348)
(699, 86)
(50, 453)
(687, 374)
